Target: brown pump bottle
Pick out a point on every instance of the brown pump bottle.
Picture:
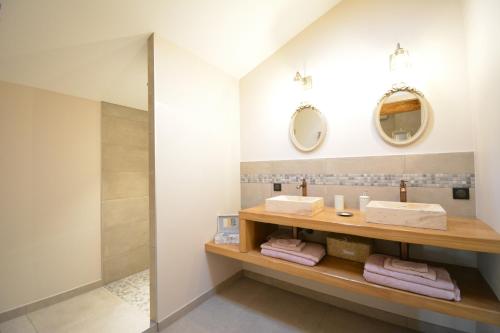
(402, 191)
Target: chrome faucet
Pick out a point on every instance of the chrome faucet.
(303, 185)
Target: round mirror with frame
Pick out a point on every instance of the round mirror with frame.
(402, 116)
(307, 128)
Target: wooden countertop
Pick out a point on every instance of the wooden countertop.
(463, 233)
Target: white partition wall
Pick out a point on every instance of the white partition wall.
(482, 23)
(49, 194)
(197, 154)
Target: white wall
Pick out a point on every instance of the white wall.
(49, 194)
(197, 172)
(347, 53)
(483, 24)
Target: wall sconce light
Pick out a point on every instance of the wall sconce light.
(399, 63)
(400, 59)
(305, 81)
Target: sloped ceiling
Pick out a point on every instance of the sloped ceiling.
(96, 49)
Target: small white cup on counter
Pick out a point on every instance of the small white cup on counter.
(339, 202)
(363, 201)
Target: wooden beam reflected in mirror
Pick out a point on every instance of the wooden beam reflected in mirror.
(408, 105)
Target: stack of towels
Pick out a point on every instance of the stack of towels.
(415, 277)
(293, 250)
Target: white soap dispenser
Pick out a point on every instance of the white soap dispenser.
(364, 199)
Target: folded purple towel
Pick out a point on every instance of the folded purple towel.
(311, 251)
(287, 257)
(375, 264)
(412, 287)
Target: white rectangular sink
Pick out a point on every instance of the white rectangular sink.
(408, 214)
(291, 204)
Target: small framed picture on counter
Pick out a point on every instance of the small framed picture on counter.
(228, 224)
(228, 229)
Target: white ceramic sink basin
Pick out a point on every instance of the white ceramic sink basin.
(292, 204)
(409, 214)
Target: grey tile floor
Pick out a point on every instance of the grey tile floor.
(251, 306)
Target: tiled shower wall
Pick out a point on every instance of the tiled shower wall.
(124, 207)
(430, 177)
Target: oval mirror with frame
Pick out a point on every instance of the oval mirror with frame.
(402, 116)
(307, 128)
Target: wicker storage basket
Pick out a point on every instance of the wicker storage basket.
(349, 247)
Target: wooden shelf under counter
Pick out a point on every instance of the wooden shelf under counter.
(478, 300)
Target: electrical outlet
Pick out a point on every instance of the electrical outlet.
(461, 193)
(277, 187)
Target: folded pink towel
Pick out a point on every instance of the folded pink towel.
(287, 257)
(285, 241)
(311, 251)
(291, 244)
(390, 264)
(375, 264)
(409, 265)
(412, 287)
(281, 234)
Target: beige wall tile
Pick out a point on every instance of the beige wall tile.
(124, 158)
(253, 194)
(424, 163)
(444, 197)
(351, 194)
(286, 189)
(123, 238)
(440, 163)
(316, 190)
(125, 182)
(124, 265)
(122, 131)
(124, 211)
(255, 167)
(291, 189)
(369, 164)
(310, 166)
(116, 185)
(119, 111)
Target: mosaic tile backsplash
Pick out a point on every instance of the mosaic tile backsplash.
(430, 178)
(373, 179)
